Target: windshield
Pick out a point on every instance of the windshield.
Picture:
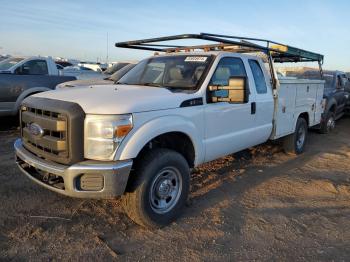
(8, 63)
(121, 72)
(179, 72)
(116, 67)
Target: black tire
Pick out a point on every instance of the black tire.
(143, 200)
(328, 124)
(292, 144)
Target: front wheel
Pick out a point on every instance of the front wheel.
(159, 190)
(328, 123)
(295, 143)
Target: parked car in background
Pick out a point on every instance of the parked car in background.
(115, 67)
(59, 67)
(21, 77)
(63, 63)
(105, 81)
(92, 66)
(84, 73)
(334, 94)
(347, 90)
(3, 57)
(80, 72)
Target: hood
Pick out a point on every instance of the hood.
(86, 82)
(119, 99)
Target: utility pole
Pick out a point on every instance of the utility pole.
(107, 50)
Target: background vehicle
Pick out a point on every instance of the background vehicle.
(21, 77)
(92, 66)
(80, 72)
(110, 80)
(334, 93)
(116, 67)
(347, 90)
(3, 57)
(170, 113)
(63, 63)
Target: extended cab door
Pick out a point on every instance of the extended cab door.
(264, 98)
(340, 93)
(230, 127)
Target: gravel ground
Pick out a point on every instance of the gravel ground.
(259, 204)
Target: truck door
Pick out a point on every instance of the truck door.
(264, 99)
(229, 127)
(340, 94)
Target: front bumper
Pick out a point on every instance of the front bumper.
(87, 179)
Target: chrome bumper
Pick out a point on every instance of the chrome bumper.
(112, 177)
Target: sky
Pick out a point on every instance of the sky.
(78, 29)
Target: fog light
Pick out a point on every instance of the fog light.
(91, 182)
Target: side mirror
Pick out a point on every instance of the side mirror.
(18, 70)
(235, 92)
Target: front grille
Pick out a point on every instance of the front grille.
(61, 126)
(54, 139)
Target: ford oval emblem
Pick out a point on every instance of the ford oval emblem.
(36, 130)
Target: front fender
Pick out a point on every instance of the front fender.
(137, 139)
(331, 102)
(26, 93)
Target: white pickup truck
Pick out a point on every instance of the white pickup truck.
(140, 137)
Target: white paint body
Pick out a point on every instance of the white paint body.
(297, 96)
(215, 129)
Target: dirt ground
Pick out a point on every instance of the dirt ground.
(259, 204)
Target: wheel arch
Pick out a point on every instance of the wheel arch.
(166, 132)
(331, 106)
(304, 115)
(26, 93)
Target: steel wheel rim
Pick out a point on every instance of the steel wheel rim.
(331, 123)
(166, 190)
(301, 137)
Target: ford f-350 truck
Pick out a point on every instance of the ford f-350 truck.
(140, 137)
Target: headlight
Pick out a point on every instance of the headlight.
(103, 134)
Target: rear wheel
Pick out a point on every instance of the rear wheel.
(295, 143)
(328, 123)
(160, 188)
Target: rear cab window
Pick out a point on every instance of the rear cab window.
(258, 75)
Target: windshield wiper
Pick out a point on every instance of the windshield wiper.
(119, 83)
(150, 84)
(143, 84)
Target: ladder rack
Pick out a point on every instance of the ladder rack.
(275, 52)
(280, 53)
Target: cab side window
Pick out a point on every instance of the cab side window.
(339, 84)
(259, 78)
(227, 67)
(33, 67)
(344, 80)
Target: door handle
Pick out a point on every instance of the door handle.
(253, 108)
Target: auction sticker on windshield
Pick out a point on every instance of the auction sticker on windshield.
(200, 59)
